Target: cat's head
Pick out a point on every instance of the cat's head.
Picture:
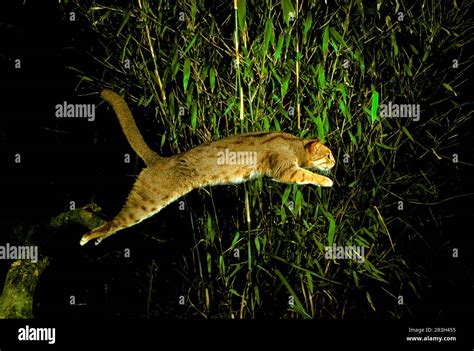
(319, 157)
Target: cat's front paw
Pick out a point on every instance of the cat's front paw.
(326, 182)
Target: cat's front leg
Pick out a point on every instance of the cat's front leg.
(300, 175)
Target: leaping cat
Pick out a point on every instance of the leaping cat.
(281, 156)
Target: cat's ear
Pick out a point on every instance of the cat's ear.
(313, 146)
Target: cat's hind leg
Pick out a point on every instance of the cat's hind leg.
(100, 233)
(152, 191)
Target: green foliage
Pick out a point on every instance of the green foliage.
(323, 71)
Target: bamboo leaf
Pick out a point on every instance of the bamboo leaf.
(325, 121)
(298, 201)
(266, 123)
(284, 86)
(242, 13)
(175, 64)
(163, 139)
(331, 231)
(426, 53)
(375, 106)
(319, 124)
(386, 147)
(298, 304)
(209, 262)
(186, 73)
(191, 44)
(394, 43)
(369, 298)
(414, 49)
(232, 291)
(449, 88)
(309, 279)
(194, 120)
(324, 47)
(257, 244)
(356, 278)
(338, 37)
(124, 22)
(210, 229)
(288, 10)
(212, 78)
(279, 47)
(235, 240)
(321, 77)
(307, 26)
(268, 36)
(352, 137)
(407, 133)
(284, 198)
(221, 264)
(342, 107)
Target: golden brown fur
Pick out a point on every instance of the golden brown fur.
(281, 156)
(129, 127)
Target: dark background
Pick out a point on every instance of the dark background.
(67, 160)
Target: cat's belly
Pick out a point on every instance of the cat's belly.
(238, 180)
(235, 178)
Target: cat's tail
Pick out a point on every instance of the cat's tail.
(129, 127)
